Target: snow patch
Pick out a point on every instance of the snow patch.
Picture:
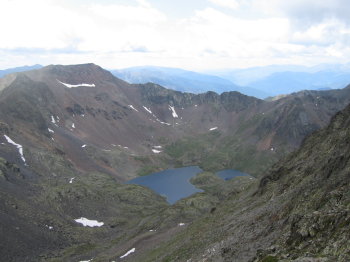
(148, 110)
(128, 253)
(83, 145)
(71, 180)
(195, 105)
(213, 128)
(156, 151)
(50, 130)
(181, 224)
(173, 112)
(49, 227)
(163, 123)
(19, 147)
(89, 223)
(73, 126)
(70, 86)
(133, 108)
(158, 147)
(53, 121)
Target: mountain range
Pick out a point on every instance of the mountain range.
(18, 69)
(183, 80)
(72, 135)
(286, 79)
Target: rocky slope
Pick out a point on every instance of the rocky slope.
(69, 135)
(298, 212)
(84, 105)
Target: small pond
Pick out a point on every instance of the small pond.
(230, 173)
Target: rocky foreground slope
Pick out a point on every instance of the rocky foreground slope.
(70, 135)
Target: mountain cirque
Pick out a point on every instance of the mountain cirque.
(82, 132)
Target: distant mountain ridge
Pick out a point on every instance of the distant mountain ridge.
(19, 69)
(182, 80)
(286, 79)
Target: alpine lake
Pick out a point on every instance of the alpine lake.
(174, 184)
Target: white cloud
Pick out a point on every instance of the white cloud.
(137, 33)
(142, 14)
(232, 4)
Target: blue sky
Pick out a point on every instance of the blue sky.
(191, 34)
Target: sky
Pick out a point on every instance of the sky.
(191, 34)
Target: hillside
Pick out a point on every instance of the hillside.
(71, 135)
(298, 212)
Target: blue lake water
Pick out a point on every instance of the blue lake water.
(174, 184)
(230, 173)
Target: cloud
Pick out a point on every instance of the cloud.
(232, 4)
(127, 33)
(126, 14)
(314, 11)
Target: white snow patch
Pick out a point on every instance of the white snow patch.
(71, 180)
(19, 147)
(181, 224)
(49, 227)
(53, 120)
(89, 223)
(73, 126)
(83, 145)
(128, 253)
(148, 110)
(156, 151)
(213, 128)
(152, 230)
(272, 149)
(70, 86)
(195, 105)
(133, 108)
(126, 147)
(113, 145)
(50, 130)
(163, 123)
(158, 147)
(86, 260)
(173, 112)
